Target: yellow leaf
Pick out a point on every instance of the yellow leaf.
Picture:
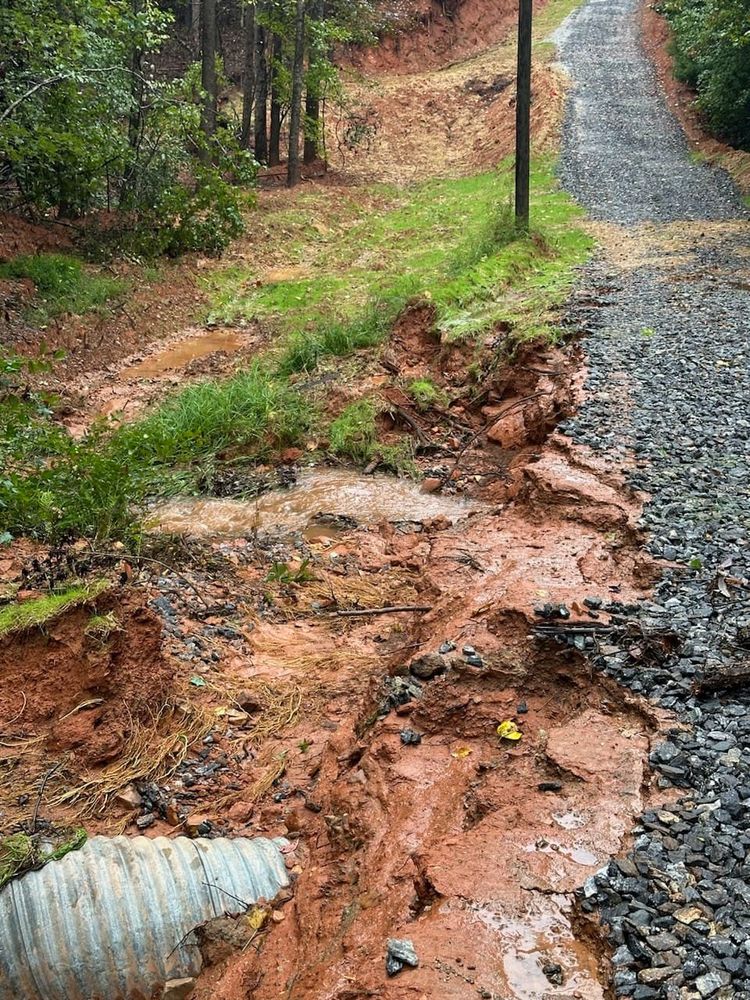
(509, 731)
(461, 752)
(257, 917)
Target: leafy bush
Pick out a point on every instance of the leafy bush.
(711, 50)
(83, 130)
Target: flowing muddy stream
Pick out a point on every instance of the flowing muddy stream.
(337, 492)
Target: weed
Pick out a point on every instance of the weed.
(353, 434)
(101, 627)
(38, 612)
(426, 394)
(62, 284)
(283, 573)
(398, 458)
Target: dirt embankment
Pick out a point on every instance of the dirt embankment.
(434, 33)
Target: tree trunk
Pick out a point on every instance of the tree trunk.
(295, 122)
(195, 20)
(261, 97)
(208, 66)
(248, 74)
(274, 152)
(312, 101)
(136, 89)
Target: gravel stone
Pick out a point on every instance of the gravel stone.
(668, 399)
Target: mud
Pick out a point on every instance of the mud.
(181, 354)
(340, 493)
(432, 33)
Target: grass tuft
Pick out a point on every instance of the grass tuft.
(63, 285)
(354, 434)
(40, 611)
(426, 394)
(254, 411)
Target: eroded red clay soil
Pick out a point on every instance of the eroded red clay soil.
(450, 842)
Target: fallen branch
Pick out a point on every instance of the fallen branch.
(381, 611)
(728, 679)
(483, 430)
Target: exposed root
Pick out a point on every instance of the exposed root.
(154, 750)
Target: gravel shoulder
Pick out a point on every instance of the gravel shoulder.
(668, 397)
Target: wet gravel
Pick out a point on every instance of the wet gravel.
(623, 153)
(669, 390)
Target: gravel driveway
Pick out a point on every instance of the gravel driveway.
(669, 390)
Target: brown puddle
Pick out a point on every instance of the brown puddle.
(341, 492)
(181, 354)
(541, 938)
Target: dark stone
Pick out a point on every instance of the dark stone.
(428, 666)
(550, 786)
(409, 737)
(554, 973)
(399, 953)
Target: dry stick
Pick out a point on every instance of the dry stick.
(382, 611)
(486, 427)
(411, 422)
(230, 894)
(158, 562)
(40, 793)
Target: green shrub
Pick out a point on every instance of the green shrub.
(711, 51)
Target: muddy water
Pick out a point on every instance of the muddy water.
(342, 492)
(181, 354)
(541, 936)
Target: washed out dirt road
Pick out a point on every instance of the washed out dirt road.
(370, 738)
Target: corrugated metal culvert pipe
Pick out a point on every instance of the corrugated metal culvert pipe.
(112, 920)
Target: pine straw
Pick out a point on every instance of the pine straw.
(154, 750)
(346, 593)
(281, 708)
(309, 656)
(273, 763)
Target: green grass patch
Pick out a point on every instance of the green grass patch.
(450, 241)
(255, 411)
(36, 613)
(354, 435)
(426, 394)
(546, 19)
(63, 285)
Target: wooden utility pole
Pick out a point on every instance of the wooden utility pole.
(523, 114)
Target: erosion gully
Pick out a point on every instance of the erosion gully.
(593, 591)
